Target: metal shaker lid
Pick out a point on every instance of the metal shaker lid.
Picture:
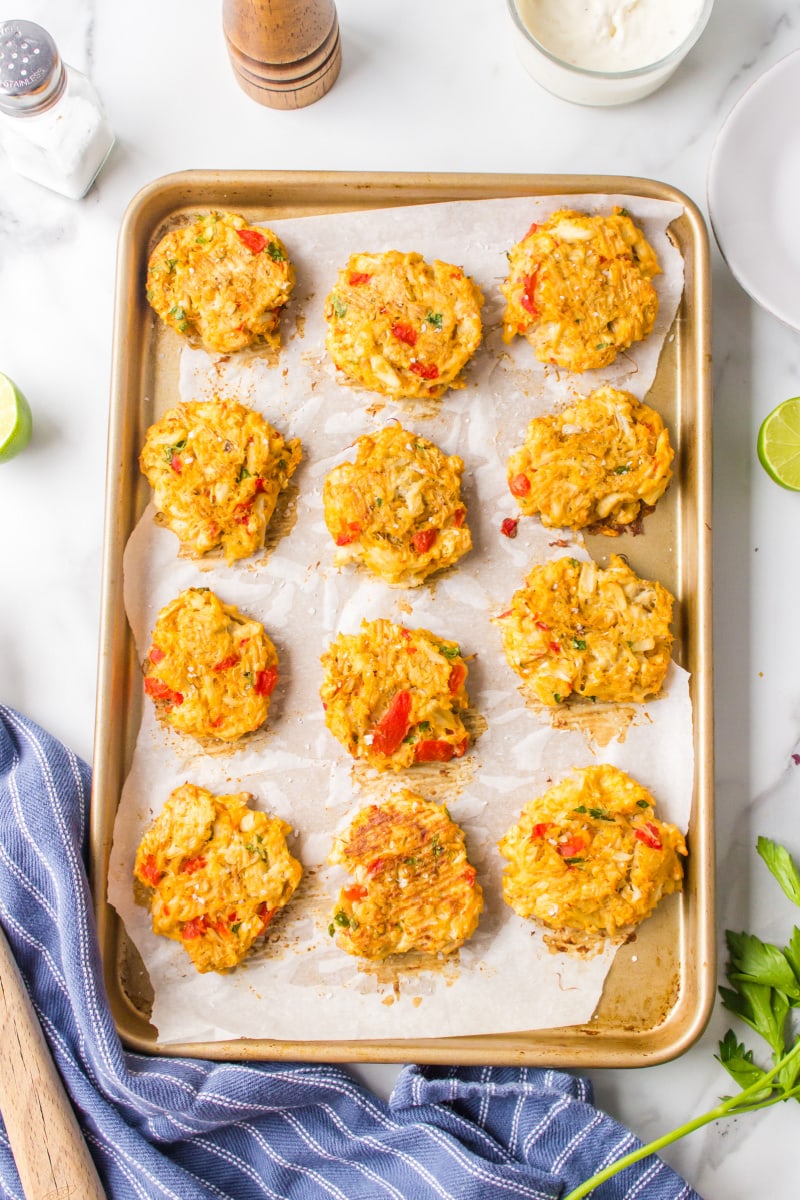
(31, 72)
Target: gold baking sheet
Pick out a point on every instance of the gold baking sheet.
(661, 987)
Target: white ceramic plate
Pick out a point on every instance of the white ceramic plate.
(754, 190)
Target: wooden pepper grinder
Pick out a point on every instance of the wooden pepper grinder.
(285, 53)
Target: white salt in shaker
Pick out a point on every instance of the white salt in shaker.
(52, 125)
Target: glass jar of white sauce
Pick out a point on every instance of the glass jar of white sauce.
(52, 125)
(603, 52)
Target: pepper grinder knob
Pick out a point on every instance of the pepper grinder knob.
(285, 53)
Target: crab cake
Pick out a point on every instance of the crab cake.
(393, 696)
(579, 288)
(218, 870)
(413, 887)
(589, 859)
(210, 670)
(401, 326)
(216, 468)
(397, 509)
(603, 461)
(575, 629)
(221, 282)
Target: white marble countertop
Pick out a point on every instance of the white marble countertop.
(424, 86)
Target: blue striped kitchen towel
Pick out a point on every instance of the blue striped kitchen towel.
(184, 1128)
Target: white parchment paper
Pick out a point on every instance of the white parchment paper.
(300, 986)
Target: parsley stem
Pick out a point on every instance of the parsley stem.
(731, 1106)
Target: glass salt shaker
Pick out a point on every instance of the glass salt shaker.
(52, 125)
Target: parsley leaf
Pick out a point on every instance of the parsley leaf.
(782, 867)
(738, 1062)
(754, 961)
(763, 1009)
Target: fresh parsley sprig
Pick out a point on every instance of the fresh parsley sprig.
(764, 990)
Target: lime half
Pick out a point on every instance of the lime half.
(15, 420)
(779, 444)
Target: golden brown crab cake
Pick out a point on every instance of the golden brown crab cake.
(217, 871)
(590, 859)
(413, 887)
(397, 509)
(394, 696)
(605, 460)
(576, 629)
(210, 670)
(579, 288)
(217, 468)
(221, 282)
(401, 326)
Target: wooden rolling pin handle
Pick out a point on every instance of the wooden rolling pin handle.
(52, 1157)
(284, 53)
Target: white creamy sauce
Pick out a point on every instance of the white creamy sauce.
(604, 35)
